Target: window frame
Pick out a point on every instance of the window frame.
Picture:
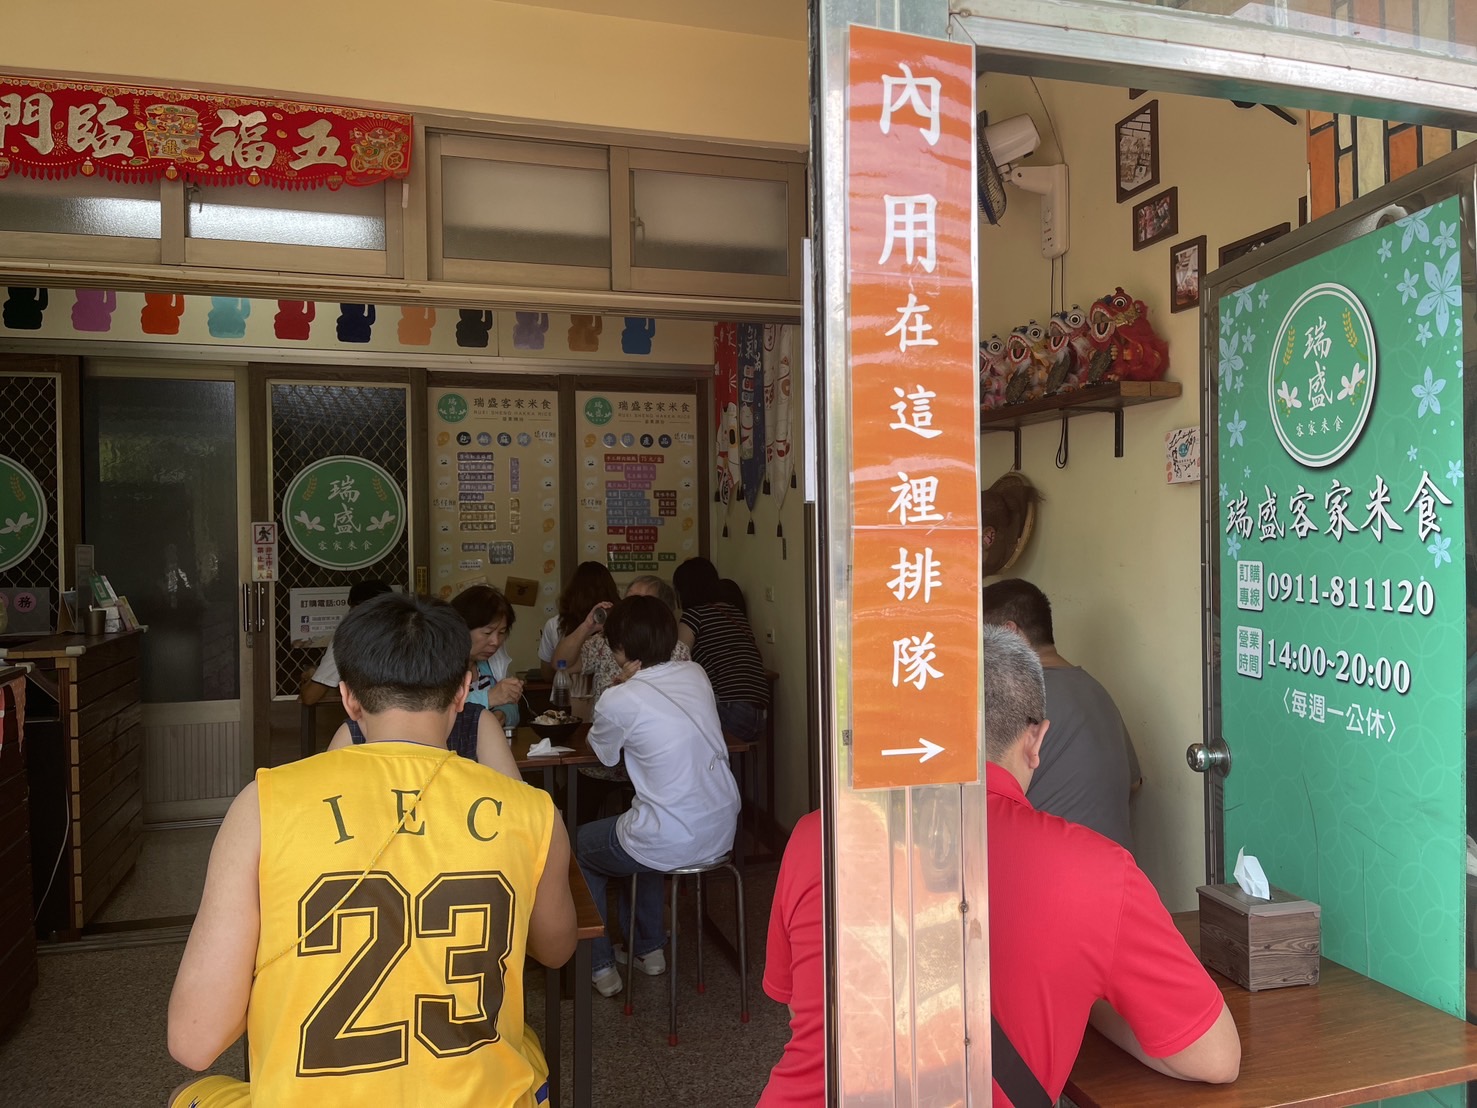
(494, 148)
(175, 247)
(631, 277)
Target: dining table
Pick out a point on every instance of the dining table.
(1345, 1040)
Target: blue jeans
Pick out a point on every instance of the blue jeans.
(742, 720)
(601, 857)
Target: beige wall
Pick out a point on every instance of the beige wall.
(763, 561)
(512, 61)
(1116, 548)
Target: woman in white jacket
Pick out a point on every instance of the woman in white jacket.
(662, 718)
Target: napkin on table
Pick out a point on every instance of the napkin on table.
(543, 749)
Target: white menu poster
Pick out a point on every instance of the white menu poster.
(495, 500)
(638, 481)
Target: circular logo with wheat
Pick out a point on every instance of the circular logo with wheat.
(22, 512)
(343, 512)
(1321, 384)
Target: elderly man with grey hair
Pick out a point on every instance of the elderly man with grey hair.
(1077, 932)
(649, 584)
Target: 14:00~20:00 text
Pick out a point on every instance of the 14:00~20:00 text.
(1350, 668)
(1401, 597)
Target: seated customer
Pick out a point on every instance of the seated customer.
(1077, 932)
(1089, 769)
(320, 862)
(325, 677)
(722, 642)
(489, 617)
(795, 970)
(662, 719)
(589, 587)
(475, 733)
(591, 648)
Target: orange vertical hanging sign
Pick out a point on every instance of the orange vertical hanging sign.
(914, 411)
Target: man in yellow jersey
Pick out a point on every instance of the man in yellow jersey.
(367, 910)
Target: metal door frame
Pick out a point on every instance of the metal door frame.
(147, 369)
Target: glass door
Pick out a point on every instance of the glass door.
(164, 508)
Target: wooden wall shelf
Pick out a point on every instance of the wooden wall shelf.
(1112, 397)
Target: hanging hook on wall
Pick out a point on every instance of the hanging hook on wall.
(1061, 447)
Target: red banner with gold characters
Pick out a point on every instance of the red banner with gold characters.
(915, 587)
(55, 129)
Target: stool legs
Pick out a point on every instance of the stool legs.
(743, 945)
(672, 969)
(701, 988)
(631, 944)
(740, 934)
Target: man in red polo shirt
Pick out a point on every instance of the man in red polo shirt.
(1077, 932)
(794, 970)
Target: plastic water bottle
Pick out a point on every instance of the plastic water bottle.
(559, 694)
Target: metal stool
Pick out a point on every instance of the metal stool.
(725, 862)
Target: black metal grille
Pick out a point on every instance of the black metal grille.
(315, 421)
(28, 434)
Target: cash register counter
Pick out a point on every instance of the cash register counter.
(84, 761)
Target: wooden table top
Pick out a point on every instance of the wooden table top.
(1346, 1040)
(524, 737)
(587, 916)
(60, 646)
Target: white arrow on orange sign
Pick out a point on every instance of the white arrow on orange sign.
(927, 750)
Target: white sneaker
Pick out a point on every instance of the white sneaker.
(607, 982)
(653, 964)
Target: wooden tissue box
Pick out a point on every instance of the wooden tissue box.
(1259, 944)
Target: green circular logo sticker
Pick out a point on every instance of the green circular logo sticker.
(22, 512)
(452, 407)
(1321, 387)
(598, 410)
(343, 512)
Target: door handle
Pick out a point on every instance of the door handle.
(261, 606)
(246, 620)
(1212, 757)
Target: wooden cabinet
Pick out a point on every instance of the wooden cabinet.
(85, 766)
(17, 934)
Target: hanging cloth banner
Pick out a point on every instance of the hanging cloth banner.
(725, 407)
(59, 129)
(751, 412)
(779, 349)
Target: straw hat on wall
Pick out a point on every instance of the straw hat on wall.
(1007, 519)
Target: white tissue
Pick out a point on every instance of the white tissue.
(544, 749)
(1249, 875)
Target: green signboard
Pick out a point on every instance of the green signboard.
(343, 512)
(22, 512)
(1342, 595)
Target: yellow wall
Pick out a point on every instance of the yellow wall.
(760, 561)
(518, 61)
(1117, 549)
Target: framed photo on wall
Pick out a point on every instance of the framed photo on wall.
(1136, 151)
(1156, 218)
(1231, 251)
(1186, 271)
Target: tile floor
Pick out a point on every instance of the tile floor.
(95, 1034)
